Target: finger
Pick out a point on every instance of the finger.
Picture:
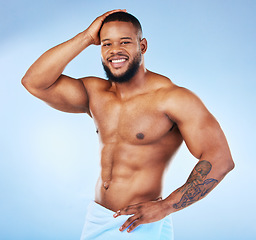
(117, 10)
(129, 221)
(134, 225)
(127, 211)
(117, 213)
(113, 11)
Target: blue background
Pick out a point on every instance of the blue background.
(49, 159)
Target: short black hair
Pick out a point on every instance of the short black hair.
(124, 17)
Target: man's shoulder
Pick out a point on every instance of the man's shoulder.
(174, 98)
(167, 88)
(178, 102)
(179, 98)
(158, 79)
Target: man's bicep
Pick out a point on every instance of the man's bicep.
(200, 130)
(202, 135)
(66, 94)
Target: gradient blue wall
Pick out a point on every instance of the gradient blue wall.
(49, 159)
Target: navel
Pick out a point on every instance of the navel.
(140, 136)
(106, 185)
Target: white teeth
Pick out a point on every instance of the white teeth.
(118, 60)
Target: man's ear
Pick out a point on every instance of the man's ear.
(143, 45)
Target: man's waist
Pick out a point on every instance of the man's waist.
(118, 193)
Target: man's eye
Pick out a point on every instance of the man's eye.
(125, 42)
(106, 44)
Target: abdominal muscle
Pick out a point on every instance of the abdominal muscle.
(131, 174)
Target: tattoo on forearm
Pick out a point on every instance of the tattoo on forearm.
(196, 187)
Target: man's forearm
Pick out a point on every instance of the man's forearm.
(201, 181)
(48, 67)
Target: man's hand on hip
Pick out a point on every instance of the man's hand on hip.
(142, 213)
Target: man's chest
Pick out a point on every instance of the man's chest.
(137, 120)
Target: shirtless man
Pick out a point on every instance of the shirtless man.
(141, 119)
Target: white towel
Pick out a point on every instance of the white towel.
(101, 225)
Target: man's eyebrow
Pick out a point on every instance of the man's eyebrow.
(107, 39)
(126, 38)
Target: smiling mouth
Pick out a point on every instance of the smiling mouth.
(118, 60)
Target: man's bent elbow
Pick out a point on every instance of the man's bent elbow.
(27, 82)
(231, 165)
(228, 166)
(24, 81)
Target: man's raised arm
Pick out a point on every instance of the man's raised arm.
(44, 78)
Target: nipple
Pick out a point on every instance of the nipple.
(140, 135)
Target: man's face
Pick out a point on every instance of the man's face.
(120, 50)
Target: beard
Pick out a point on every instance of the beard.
(128, 74)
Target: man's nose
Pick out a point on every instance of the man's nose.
(115, 48)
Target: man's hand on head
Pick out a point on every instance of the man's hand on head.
(142, 213)
(93, 29)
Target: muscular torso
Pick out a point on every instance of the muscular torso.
(137, 141)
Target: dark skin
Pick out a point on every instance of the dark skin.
(140, 123)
